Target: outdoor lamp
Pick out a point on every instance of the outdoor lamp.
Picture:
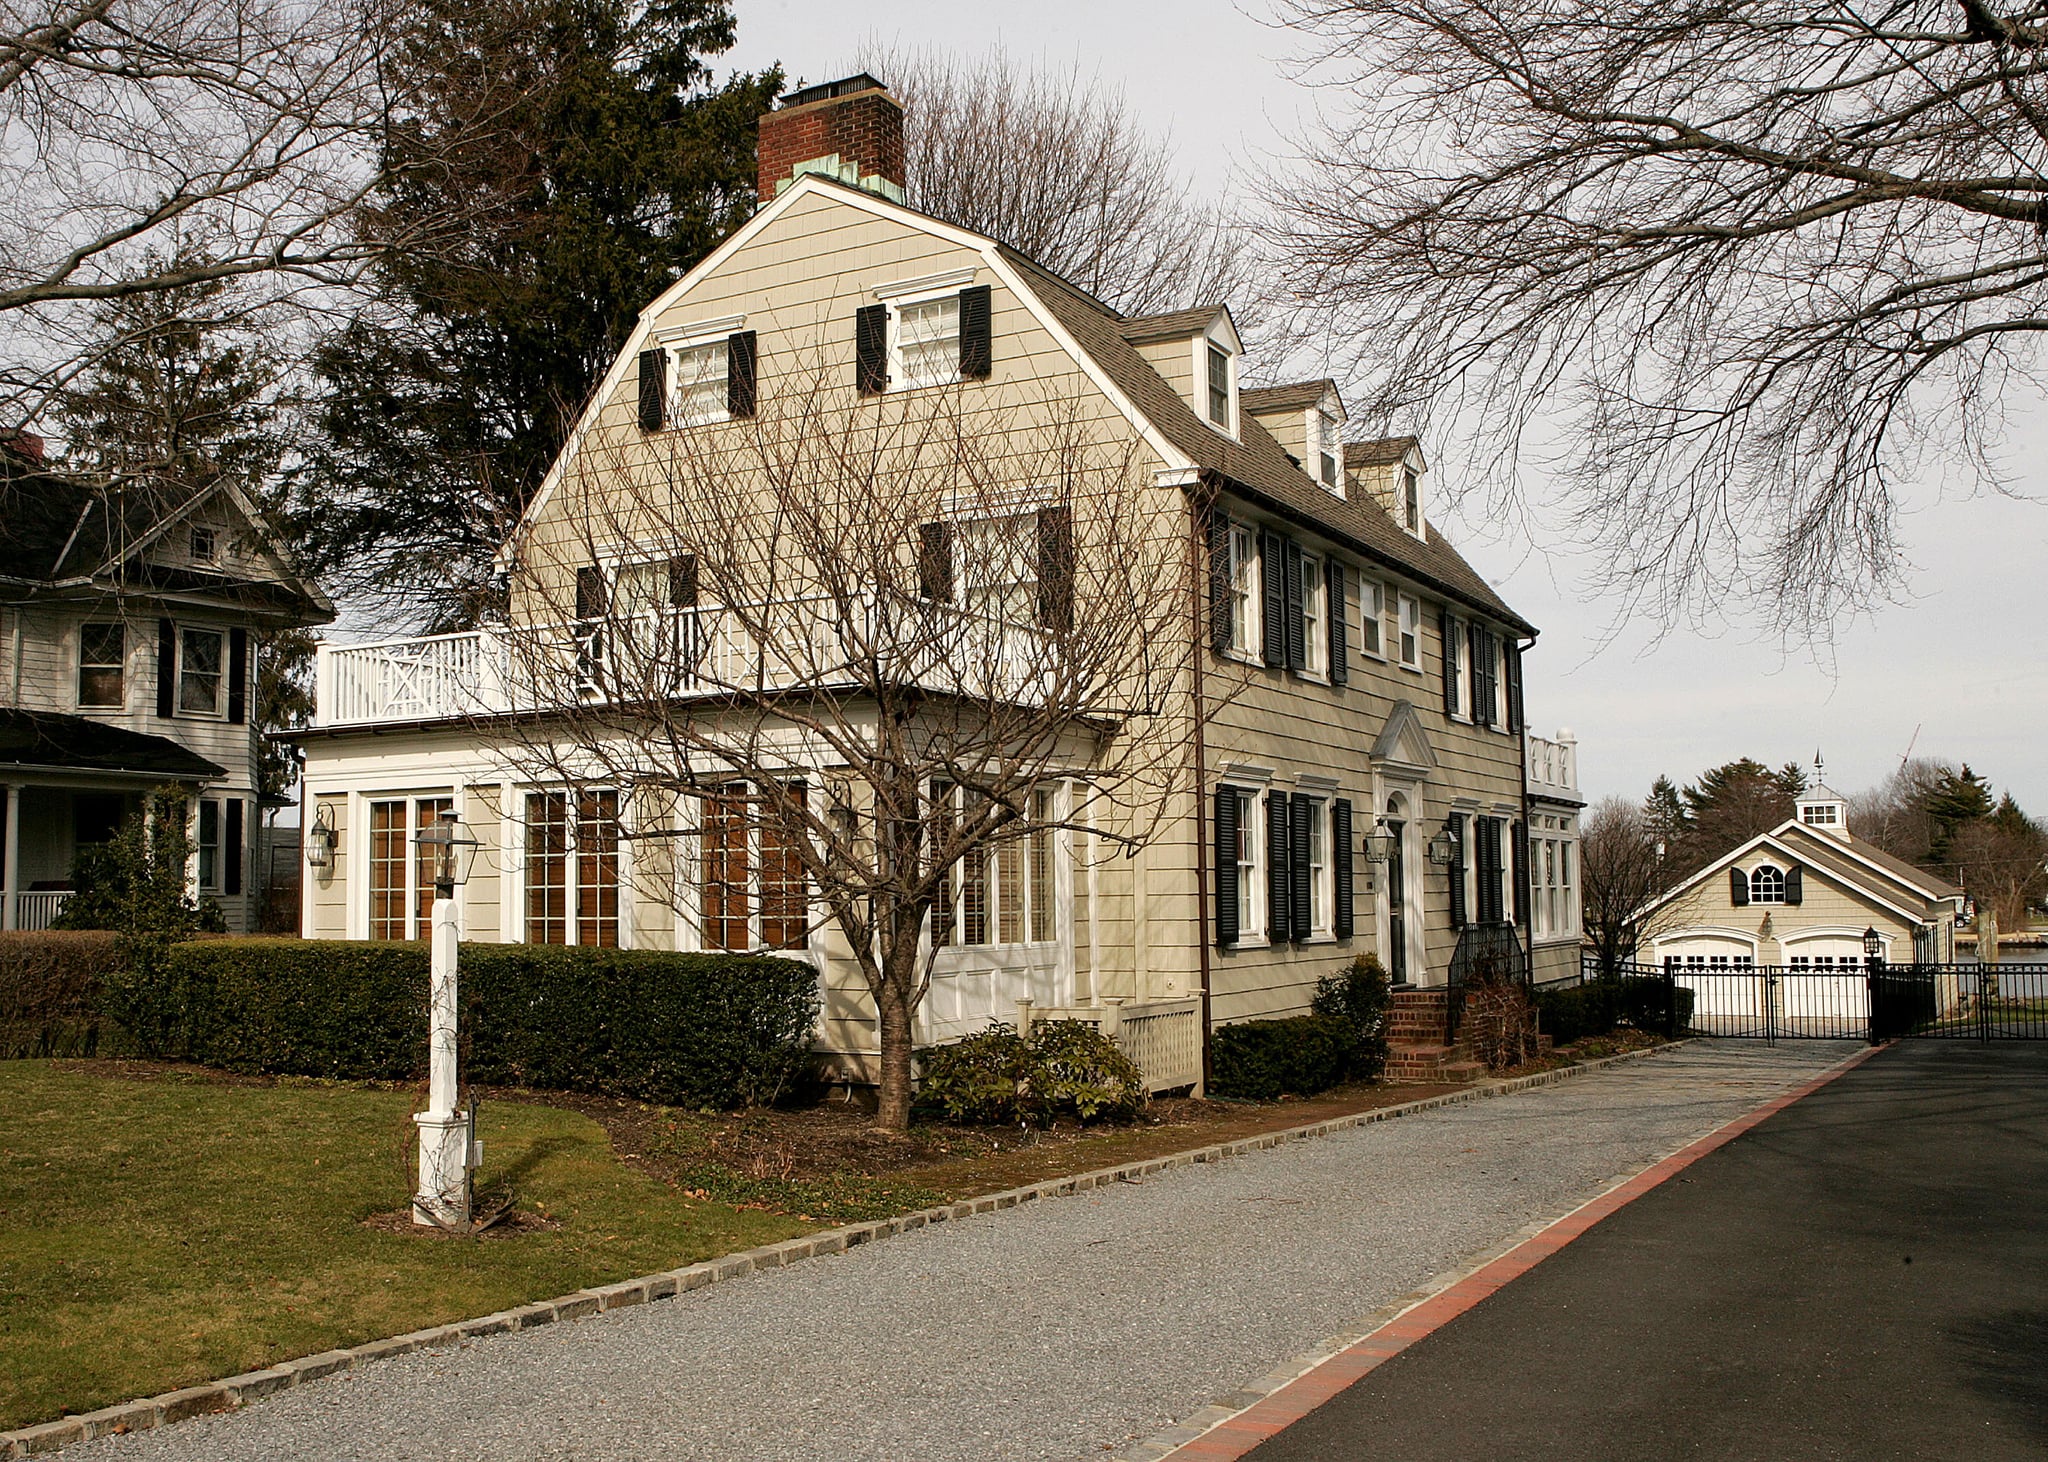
(1873, 946)
(320, 839)
(452, 848)
(1443, 848)
(1379, 843)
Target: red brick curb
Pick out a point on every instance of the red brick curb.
(1237, 1435)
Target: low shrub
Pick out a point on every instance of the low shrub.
(1066, 1068)
(1259, 1060)
(1579, 1011)
(701, 1030)
(1642, 1001)
(52, 986)
(1358, 995)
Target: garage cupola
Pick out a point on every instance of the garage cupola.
(1822, 808)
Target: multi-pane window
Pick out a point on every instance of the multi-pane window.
(1315, 637)
(389, 857)
(1004, 891)
(1766, 885)
(201, 666)
(699, 388)
(102, 659)
(1219, 386)
(1244, 590)
(209, 846)
(1372, 609)
(1411, 501)
(1000, 567)
(1554, 910)
(1319, 891)
(205, 544)
(1251, 877)
(1327, 447)
(753, 893)
(1411, 632)
(1822, 814)
(928, 341)
(572, 868)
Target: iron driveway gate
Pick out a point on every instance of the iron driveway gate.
(1877, 1003)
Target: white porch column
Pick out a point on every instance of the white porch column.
(10, 879)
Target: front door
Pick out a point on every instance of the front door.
(1397, 902)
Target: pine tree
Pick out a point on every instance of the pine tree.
(592, 161)
(1665, 812)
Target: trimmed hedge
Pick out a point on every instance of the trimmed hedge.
(51, 986)
(1643, 1004)
(1259, 1060)
(1598, 1006)
(703, 1030)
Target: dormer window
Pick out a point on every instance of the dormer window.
(1219, 386)
(205, 544)
(1328, 450)
(1411, 500)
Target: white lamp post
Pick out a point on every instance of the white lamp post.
(447, 1135)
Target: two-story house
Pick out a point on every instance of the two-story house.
(1357, 783)
(129, 617)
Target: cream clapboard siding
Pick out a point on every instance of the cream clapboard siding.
(1826, 904)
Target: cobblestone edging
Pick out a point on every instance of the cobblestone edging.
(237, 1391)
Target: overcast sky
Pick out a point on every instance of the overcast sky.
(1959, 664)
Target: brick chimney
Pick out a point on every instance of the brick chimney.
(851, 130)
(24, 444)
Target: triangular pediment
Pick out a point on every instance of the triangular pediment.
(1403, 742)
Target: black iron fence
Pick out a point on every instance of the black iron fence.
(1846, 1002)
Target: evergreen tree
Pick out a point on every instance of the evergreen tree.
(1664, 812)
(590, 160)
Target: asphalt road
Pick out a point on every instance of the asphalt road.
(1043, 1333)
(1864, 1275)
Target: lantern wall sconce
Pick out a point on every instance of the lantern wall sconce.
(1873, 945)
(1379, 843)
(1443, 848)
(320, 839)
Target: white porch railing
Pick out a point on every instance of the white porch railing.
(1553, 763)
(1163, 1038)
(504, 669)
(38, 908)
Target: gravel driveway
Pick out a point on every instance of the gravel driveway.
(1056, 1330)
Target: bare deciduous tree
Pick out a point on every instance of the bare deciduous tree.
(1755, 263)
(835, 660)
(1623, 868)
(1054, 164)
(156, 147)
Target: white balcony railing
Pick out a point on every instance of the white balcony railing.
(1554, 764)
(504, 669)
(38, 908)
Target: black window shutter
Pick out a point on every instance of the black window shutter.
(682, 581)
(935, 561)
(1457, 870)
(1219, 581)
(1340, 847)
(231, 847)
(238, 676)
(1335, 612)
(1448, 629)
(590, 592)
(1291, 609)
(742, 355)
(1795, 884)
(1482, 683)
(977, 346)
(1279, 881)
(653, 388)
(1738, 887)
(1522, 874)
(1491, 910)
(1226, 867)
(1273, 598)
(166, 668)
(1304, 809)
(1514, 669)
(871, 349)
(1056, 568)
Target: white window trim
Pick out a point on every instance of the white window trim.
(1203, 343)
(1459, 651)
(1403, 604)
(227, 669)
(1318, 447)
(512, 882)
(1420, 532)
(1315, 611)
(952, 281)
(1751, 875)
(1250, 568)
(1062, 913)
(220, 845)
(1251, 902)
(127, 657)
(922, 293)
(1369, 590)
(673, 418)
(1322, 897)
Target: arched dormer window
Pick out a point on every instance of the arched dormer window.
(1766, 885)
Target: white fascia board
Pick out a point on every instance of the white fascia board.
(805, 187)
(1848, 850)
(1790, 855)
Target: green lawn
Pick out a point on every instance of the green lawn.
(169, 1228)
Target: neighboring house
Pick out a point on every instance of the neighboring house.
(1362, 791)
(128, 623)
(1553, 822)
(1802, 896)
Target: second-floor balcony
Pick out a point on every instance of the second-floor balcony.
(708, 652)
(1553, 765)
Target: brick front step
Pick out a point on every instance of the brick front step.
(1432, 1063)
